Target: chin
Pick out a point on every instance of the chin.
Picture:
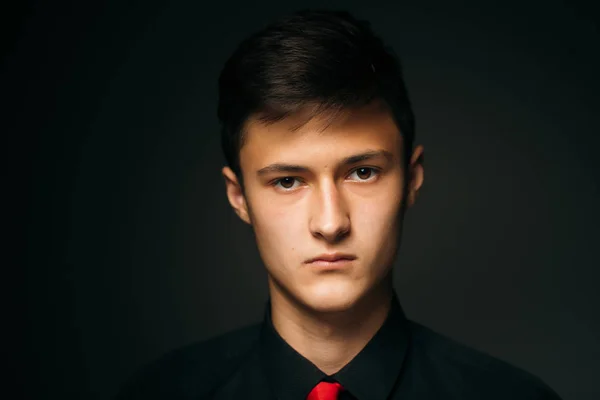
(331, 297)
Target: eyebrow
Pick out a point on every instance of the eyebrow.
(350, 160)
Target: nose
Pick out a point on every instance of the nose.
(329, 217)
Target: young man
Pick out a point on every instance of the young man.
(318, 138)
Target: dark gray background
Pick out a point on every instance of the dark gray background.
(132, 249)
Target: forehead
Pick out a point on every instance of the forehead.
(302, 137)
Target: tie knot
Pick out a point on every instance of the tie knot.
(325, 391)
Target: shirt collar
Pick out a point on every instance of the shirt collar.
(370, 375)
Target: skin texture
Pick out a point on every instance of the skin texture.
(328, 316)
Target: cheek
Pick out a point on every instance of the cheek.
(375, 225)
(377, 233)
(277, 230)
(376, 219)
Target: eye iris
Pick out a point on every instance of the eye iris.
(287, 182)
(363, 171)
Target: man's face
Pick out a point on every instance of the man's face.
(305, 196)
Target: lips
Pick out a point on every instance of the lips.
(332, 257)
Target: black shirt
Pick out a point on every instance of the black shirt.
(403, 361)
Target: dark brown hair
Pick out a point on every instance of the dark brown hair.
(321, 58)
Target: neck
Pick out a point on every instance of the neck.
(329, 340)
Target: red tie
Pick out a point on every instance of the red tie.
(325, 391)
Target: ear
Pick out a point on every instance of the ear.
(415, 175)
(235, 194)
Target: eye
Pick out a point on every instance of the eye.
(285, 183)
(365, 173)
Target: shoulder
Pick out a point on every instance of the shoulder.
(466, 371)
(194, 370)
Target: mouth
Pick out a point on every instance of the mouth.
(334, 260)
